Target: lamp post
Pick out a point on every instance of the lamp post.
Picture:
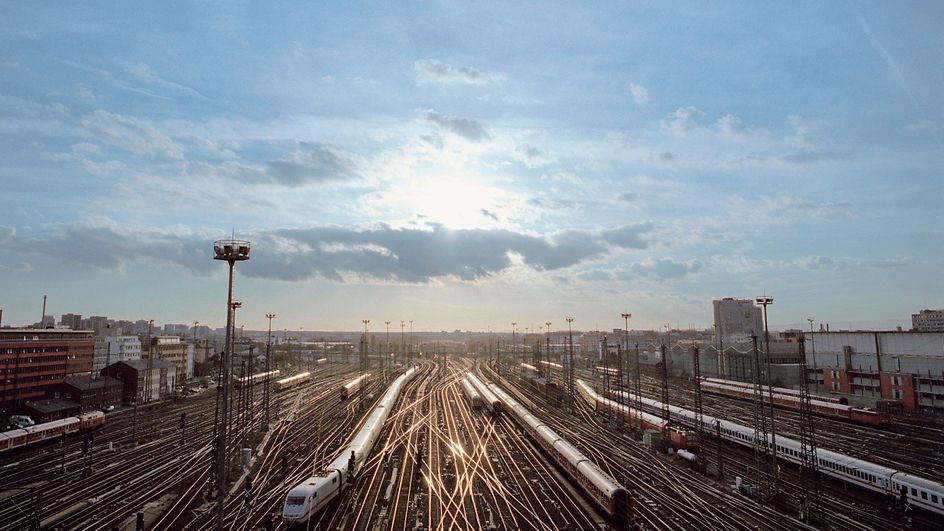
(364, 346)
(514, 342)
(813, 355)
(570, 356)
(230, 251)
(402, 324)
(386, 353)
(765, 300)
(411, 341)
(626, 316)
(268, 366)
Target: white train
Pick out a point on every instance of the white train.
(475, 398)
(489, 400)
(919, 492)
(256, 378)
(605, 491)
(311, 495)
(285, 383)
(351, 388)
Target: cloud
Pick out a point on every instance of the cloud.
(633, 236)
(335, 253)
(730, 125)
(666, 157)
(433, 71)
(316, 163)
(826, 263)
(489, 214)
(666, 268)
(640, 94)
(130, 134)
(628, 197)
(471, 130)
(809, 156)
(788, 207)
(144, 74)
(683, 120)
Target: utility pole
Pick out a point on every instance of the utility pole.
(386, 353)
(514, 342)
(699, 413)
(764, 301)
(813, 355)
(269, 317)
(364, 347)
(402, 324)
(759, 418)
(411, 342)
(809, 474)
(570, 356)
(150, 363)
(625, 316)
(230, 251)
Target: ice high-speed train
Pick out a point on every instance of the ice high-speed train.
(605, 491)
(311, 495)
(918, 491)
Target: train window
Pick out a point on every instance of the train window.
(934, 498)
(924, 495)
(914, 491)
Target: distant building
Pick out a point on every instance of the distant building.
(134, 376)
(97, 324)
(170, 348)
(737, 319)
(928, 321)
(90, 394)
(904, 366)
(71, 320)
(32, 361)
(115, 349)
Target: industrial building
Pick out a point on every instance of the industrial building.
(928, 321)
(134, 376)
(33, 361)
(736, 319)
(907, 367)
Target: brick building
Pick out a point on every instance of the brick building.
(33, 361)
(91, 394)
(133, 375)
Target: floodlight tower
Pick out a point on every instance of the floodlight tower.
(765, 300)
(269, 316)
(230, 251)
(570, 355)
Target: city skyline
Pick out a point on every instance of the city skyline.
(454, 166)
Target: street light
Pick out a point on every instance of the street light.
(386, 353)
(626, 316)
(269, 316)
(765, 300)
(813, 355)
(230, 251)
(570, 355)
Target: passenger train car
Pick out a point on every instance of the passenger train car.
(782, 390)
(791, 401)
(255, 378)
(311, 495)
(50, 430)
(605, 491)
(917, 491)
(474, 397)
(678, 437)
(489, 399)
(354, 386)
(291, 381)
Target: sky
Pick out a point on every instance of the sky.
(467, 165)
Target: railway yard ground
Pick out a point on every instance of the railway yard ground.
(438, 463)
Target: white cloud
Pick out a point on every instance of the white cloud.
(730, 125)
(683, 120)
(640, 94)
(433, 71)
(131, 134)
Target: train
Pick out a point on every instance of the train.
(474, 397)
(791, 401)
(50, 430)
(255, 378)
(782, 390)
(354, 386)
(605, 491)
(285, 383)
(489, 399)
(915, 490)
(311, 495)
(321, 361)
(677, 437)
(527, 368)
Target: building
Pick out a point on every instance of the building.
(32, 361)
(71, 320)
(116, 348)
(737, 319)
(172, 349)
(49, 409)
(928, 321)
(90, 394)
(134, 377)
(907, 367)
